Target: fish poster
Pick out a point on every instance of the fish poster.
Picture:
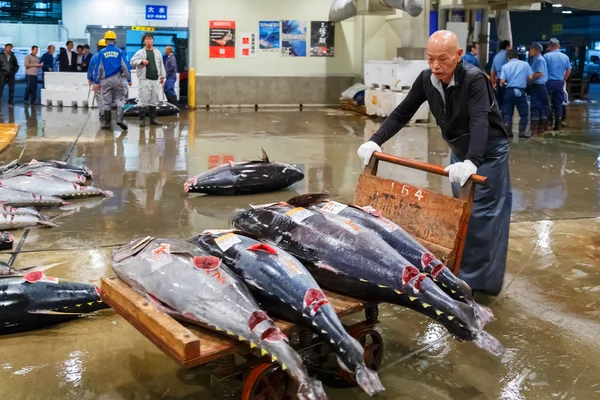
(247, 44)
(322, 39)
(222, 39)
(293, 38)
(269, 35)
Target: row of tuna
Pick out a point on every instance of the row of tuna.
(26, 187)
(274, 263)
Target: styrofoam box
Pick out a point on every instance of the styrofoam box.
(372, 98)
(395, 74)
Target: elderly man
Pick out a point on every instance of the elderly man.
(171, 70)
(559, 70)
(462, 100)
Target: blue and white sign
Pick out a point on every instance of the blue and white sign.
(156, 12)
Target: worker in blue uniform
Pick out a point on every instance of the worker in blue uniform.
(559, 70)
(471, 54)
(91, 71)
(540, 110)
(108, 76)
(514, 76)
(499, 60)
(462, 101)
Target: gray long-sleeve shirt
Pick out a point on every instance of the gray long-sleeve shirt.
(32, 64)
(171, 67)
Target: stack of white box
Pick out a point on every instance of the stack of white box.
(388, 83)
(71, 89)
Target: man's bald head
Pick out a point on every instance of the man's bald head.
(443, 54)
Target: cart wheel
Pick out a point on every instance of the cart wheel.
(372, 343)
(268, 382)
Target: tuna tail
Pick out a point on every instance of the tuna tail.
(487, 342)
(306, 200)
(311, 389)
(368, 380)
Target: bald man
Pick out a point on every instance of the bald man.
(462, 101)
(171, 69)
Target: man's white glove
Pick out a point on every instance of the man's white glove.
(366, 150)
(460, 172)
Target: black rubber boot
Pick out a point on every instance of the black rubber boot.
(143, 116)
(508, 128)
(523, 134)
(120, 121)
(557, 124)
(153, 120)
(106, 120)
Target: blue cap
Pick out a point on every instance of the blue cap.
(537, 46)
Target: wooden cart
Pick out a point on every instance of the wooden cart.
(438, 221)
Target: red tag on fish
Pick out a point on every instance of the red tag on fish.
(256, 318)
(409, 273)
(207, 263)
(273, 335)
(34, 276)
(262, 247)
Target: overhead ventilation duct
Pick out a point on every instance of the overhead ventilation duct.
(345, 9)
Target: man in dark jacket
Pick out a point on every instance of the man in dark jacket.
(87, 58)
(48, 59)
(8, 68)
(462, 100)
(68, 59)
(171, 70)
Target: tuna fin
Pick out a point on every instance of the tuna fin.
(50, 312)
(262, 247)
(265, 157)
(305, 200)
(487, 342)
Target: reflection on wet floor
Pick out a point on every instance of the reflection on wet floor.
(547, 316)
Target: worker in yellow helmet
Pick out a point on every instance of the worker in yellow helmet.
(109, 71)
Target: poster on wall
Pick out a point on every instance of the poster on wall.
(222, 39)
(293, 38)
(247, 44)
(322, 39)
(269, 35)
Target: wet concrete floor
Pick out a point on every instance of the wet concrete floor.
(547, 316)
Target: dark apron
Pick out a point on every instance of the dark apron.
(484, 257)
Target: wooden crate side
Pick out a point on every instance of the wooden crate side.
(426, 215)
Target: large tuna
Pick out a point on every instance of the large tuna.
(43, 170)
(64, 166)
(279, 279)
(401, 241)
(185, 282)
(245, 178)
(51, 186)
(353, 260)
(36, 301)
(19, 198)
(17, 221)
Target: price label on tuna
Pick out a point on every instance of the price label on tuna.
(387, 225)
(299, 214)
(333, 207)
(161, 256)
(291, 266)
(226, 241)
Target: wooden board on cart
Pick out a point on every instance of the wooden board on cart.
(7, 134)
(436, 220)
(188, 345)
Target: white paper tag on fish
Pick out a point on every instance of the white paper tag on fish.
(161, 256)
(226, 241)
(215, 231)
(344, 223)
(262, 205)
(299, 214)
(333, 207)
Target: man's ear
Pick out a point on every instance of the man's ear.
(460, 52)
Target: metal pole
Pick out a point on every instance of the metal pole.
(193, 36)
(484, 38)
(442, 19)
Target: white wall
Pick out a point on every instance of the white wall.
(27, 35)
(247, 14)
(78, 14)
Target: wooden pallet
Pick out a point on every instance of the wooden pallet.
(351, 105)
(7, 134)
(189, 345)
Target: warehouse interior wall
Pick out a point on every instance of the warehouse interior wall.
(78, 14)
(27, 35)
(270, 78)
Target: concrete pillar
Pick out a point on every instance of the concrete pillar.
(442, 19)
(503, 25)
(484, 38)
(193, 34)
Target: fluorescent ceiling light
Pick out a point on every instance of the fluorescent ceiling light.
(567, 12)
(557, 5)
